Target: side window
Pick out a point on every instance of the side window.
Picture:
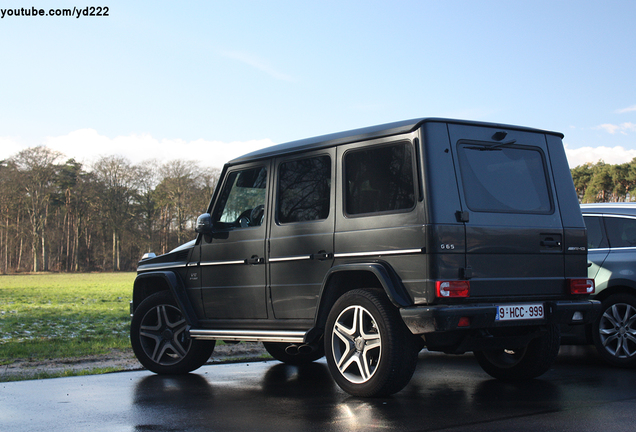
(595, 237)
(242, 201)
(304, 189)
(621, 231)
(379, 179)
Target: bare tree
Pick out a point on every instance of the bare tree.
(117, 177)
(37, 176)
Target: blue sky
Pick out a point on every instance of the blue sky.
(212, 80)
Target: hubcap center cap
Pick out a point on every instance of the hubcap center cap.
(167, 334)
(360, 343)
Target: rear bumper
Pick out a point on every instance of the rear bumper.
(443, 318)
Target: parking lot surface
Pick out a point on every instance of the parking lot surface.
(447, 393)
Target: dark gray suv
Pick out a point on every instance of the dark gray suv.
(611, 238)
(366, 246)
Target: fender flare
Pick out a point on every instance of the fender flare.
(175, 285)
(383, 272)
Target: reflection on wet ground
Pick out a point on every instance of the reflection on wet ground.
(447, 392)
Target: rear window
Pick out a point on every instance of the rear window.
(504, 179)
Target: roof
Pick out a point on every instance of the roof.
(371, 132)
(610, 208)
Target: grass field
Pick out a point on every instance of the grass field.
(47, 316)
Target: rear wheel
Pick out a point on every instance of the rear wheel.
(528, 362)
(159, 339)
(369, 350)
(294, 354)
(614, 331)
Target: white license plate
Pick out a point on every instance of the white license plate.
(520, 312)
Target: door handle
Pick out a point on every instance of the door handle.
(321, 256)
(254, 260)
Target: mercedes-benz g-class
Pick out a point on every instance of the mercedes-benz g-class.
(368, 245)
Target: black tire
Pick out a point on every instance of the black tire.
(528, 362)
(369, 350)
(159, 339)
(614, 331)
(278, 351)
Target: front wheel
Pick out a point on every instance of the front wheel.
(159, 339)
(614, 331)
(369, 350)
(528, 362)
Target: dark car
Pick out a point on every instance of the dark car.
(367, 245)
(611, 239)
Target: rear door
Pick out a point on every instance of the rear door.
(514, 233)
(301, 238)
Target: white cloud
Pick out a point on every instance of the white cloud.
(626, 110)
(610, 155)
(623, 128)
(9, 146)
(87, 145)
(257, 63)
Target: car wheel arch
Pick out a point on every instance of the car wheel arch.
(347, 277)
(617, 287)
(147, 284)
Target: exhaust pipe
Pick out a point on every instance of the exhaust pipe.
(294, 349)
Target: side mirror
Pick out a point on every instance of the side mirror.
(204, 224)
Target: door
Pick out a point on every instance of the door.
(301, 240)
(597, 246)
(514, 234)
(233, 276)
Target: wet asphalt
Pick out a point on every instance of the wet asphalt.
(449, 393)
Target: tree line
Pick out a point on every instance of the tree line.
(601, 182)
(58, 215)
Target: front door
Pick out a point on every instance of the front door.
(233, 276)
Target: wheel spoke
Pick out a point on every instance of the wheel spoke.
(347, 360)
(358, 321)
(620, 349)
(626, 315)
(612, 317)
(613, 337)
(345, 333)
(363, 366)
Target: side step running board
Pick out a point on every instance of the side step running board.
(250, 335)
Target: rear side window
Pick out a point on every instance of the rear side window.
(379, 179)
(304, 188)
(504, 179)
(621, 231)
(595, 237)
